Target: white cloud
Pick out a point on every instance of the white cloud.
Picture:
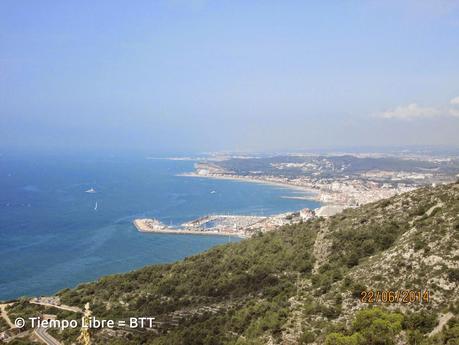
(410, 111)
(454, 112)
(414, 111)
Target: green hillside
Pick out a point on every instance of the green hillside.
(300, 284)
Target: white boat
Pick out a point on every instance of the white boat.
(91, 190)
(95, 207)
(213, 192)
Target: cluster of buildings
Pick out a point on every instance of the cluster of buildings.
(355, 192)
(348, 191)
(341, 191)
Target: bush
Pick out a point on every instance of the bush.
(372, 326)
(453, 275)
(423, 321)
(339, 339)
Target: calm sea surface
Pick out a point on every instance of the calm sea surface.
(53, 236)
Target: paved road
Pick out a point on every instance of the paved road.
(43, 335)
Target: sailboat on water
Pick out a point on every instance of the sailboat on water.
(95, 206)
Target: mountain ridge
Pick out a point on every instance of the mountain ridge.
(301, 284)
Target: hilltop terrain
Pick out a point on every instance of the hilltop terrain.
(300, 284)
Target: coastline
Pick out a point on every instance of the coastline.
(312, 194)
(334, 194)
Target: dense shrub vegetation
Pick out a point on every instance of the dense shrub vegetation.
(272, 287)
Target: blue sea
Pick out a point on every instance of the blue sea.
(53, 236)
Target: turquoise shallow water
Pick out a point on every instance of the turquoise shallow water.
(51, 236)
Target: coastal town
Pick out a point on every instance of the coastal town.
(343, 192)
(337, 182)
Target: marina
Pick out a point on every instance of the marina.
(233, 225)
(223, 224)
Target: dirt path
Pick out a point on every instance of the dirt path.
(59, 306)
(433, 208)
(4, 314)
(442, 320)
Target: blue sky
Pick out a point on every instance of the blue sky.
(182, 75)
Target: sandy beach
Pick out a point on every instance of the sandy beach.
(311, 194)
